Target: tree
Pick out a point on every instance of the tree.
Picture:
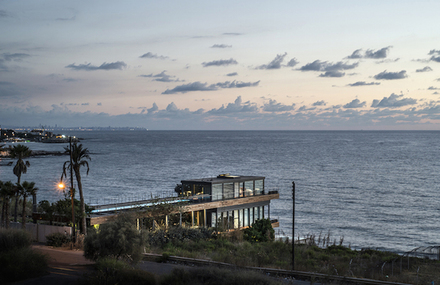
(26, 189)
(6, 192)
(260, 231)
(20, 152)
(79, 157)
(116, 239)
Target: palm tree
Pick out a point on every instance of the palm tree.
(6, 191)
(79, 157)
(20, 152)
(26, 189)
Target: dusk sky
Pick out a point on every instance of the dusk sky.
(220, 65)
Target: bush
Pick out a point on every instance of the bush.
(177, 235)
(216, 276)
(17, 260)
(14, 239)
(116, 239)
(111, 271)
(260, 231)
(57, 239)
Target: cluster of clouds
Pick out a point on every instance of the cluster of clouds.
(246, 114)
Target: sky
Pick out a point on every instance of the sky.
(221, 65)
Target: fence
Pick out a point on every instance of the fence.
(40, 231)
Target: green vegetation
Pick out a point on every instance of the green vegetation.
(313, 255)
(78, 158)
(26, 189)
(19, 152)
(58, 239)
(216, 276)
(118, 239)
(111, 271)
(260, 231)
(17, 259)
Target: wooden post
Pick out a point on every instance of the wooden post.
(293, 225)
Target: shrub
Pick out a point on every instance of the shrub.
(116, 239)
(11, 239)
(260, 231)
(216, 276)
(112, 271)
(57, 239)
(21, 264)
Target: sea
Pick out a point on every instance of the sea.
(369, 189)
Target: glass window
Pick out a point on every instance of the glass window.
(261, 212)
(186, 190)
(228, 190)
(246, 218)
(236, 189)
(241, 217)
(251, 216)
(259, 187)
(216, 192)
(213, 219)
(241, 189)
(235, 219)
(249, 188)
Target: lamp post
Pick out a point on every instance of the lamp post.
(293, 225)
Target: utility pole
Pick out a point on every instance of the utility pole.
(293, 225)
(71, 190)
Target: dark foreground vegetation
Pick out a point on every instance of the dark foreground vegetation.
(17, 259)
(245, 249)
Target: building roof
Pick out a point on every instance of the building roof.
(222, 178)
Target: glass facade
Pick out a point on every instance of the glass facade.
(249, 188)
(217, 192)
(228, 190)
(259, 187)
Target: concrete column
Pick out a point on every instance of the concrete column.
(180, 218)
(192, 218)
(166, 221)
(204, 218)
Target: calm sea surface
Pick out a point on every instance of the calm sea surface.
(374, 189)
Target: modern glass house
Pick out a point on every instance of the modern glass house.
(227, 201)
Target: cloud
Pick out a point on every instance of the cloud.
(425, 69)
(8, 89)
(232, 34)
(356, 103)
(153, 109)
(153, 55)
(237, 107)
(221, 46)
(221, 62)
(275, 63)
(198, 86)
(331, 69)
(319, 103)
(332, 73)
(292, 62)
(232, 74)
(275, 107)
(393, 102)
(435, 58)
(391, 75)
(66, 19)
(161, 77)
(363, 83)
(381, 53)
(14, 56)
(105, 66)
(4, 14)
(433, 52)
(433, 88)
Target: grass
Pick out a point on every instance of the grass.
(17, 259)
(316, 255)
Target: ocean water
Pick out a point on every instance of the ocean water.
(373, 189)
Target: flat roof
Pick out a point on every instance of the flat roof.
(223, 178)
